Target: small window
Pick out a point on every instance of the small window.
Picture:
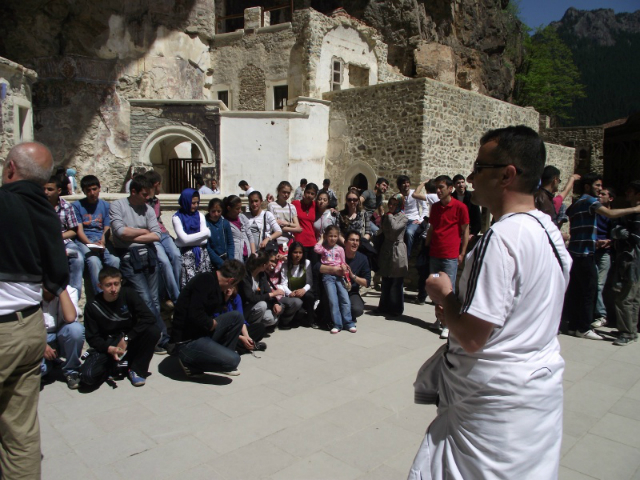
(280, 95)
(336, 75)
(223, 96)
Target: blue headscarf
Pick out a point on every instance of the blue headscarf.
(190, 220)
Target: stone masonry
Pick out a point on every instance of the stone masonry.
(420, 128)
(252, 89)
(587, 141)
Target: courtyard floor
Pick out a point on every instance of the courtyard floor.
(319, 406)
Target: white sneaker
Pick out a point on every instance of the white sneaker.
(444, 333)
(599, 322)
(589, 335)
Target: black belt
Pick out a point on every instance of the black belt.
(13, 317)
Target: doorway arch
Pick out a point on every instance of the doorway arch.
(159, 149)
(357, 169)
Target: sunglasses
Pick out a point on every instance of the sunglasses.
(352, 199)
(478, 167)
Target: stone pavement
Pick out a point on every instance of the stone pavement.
(319, 406)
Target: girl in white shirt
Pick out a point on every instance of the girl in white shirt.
(192, 234)
(263, 226)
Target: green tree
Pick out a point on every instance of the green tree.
(549, 80)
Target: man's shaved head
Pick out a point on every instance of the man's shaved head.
(28, 161)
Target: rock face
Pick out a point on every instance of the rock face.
(484, 39)
(601, 26)
(606, 50)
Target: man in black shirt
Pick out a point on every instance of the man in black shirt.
(463, 195)
(203, 343)
(119, 326)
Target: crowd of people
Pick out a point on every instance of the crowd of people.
(230, 277)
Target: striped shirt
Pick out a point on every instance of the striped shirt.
(582, 215)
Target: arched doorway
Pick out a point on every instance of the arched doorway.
(361, 182)
(177, 153)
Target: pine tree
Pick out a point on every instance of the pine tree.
(549, 80)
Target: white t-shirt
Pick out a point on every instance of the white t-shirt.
(411, 207)
(258, 230)
(16, 296)
(52, 312)
(426, 206)
(513, 280)
(286, 213)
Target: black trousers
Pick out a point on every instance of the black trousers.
(98, 366)
(357, 305)
(580, 299)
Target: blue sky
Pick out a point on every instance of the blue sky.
(542, 12)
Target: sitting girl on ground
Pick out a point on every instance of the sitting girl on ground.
(220, 245)
(191, 236)
(337, 288)
(259, 300)
(296, 279)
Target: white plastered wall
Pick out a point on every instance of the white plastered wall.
(346, 44)
(265, 148)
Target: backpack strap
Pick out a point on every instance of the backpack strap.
(553, 245)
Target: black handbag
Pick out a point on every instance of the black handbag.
(272, 245)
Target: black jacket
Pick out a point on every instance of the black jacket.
(249, 297)
(105, 323)
(31, 239)
(475, 217)
(199, 300)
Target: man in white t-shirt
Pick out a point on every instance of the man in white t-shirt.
(412, 208)
(502, 371)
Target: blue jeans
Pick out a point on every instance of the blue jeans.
(392, 295)
(70, 340)
(145, 282)
(96, 261)
(215, 353)
(603, 264)
(76, 266)
(339, 303)
(409, 235)
(170, 266)
(446, 265)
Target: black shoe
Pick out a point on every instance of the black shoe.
(284, 326)
(158, 350)
(261, 346)
(421, 301)
(73, 381)
(190, 372)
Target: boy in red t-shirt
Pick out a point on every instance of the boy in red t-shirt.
(448, 233)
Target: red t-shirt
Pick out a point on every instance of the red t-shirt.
(446, 222)
(307, 237)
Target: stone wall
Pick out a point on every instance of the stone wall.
(562, 158)
(587, 141)
(420, 128)
(267, 50)
(16, 117)
(252, 89)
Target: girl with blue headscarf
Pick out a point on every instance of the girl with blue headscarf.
(192, 234)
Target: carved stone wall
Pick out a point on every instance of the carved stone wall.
(252, 89)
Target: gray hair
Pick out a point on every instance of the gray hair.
(28, 168)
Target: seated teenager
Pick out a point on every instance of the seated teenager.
(204, 343)
(69, 227)
(118, 325)
(192, 235)
(290, 305)
(259, 301)
(220, 244)
(296, 279)
(65, 335)
(92, 214)
(252, 333)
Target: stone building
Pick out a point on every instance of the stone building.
(314, 97)
(16, 112)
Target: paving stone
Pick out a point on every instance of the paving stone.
(319, 466)
(602, 458)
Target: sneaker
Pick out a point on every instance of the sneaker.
(136, 380)
(315, 304)
(599, 322)
(261, 346)
(335, 330)
(353, 329)
(158, 350)
(230, 373)
(73, 381)
(444, 333)
(589, 335)
(437, 325)
(421, 301)
(621, 342)
(571, 333)
(189, 372)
